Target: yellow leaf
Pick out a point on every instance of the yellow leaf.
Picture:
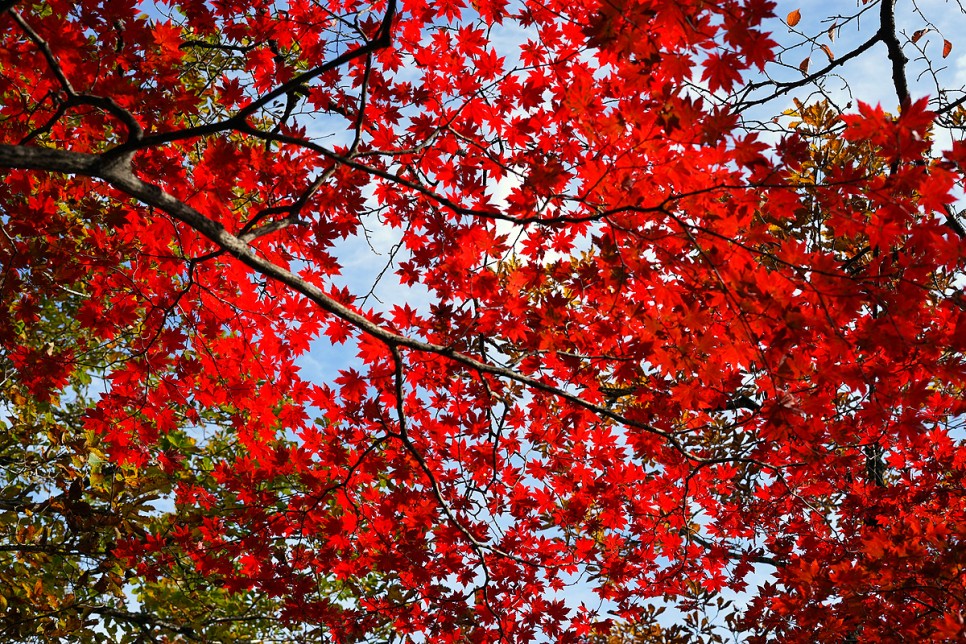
(793, 18)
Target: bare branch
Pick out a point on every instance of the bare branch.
(887, 33)
(786, 87)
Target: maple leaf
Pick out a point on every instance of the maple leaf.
(167, 37)
(721, 71)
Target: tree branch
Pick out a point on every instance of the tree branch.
(109, 105)
(476, 544)
(117, 173)
(785, 87)
(887, 33)
(144, 620)
(382, 40)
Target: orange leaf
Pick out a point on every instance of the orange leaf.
(793, 18)
(828, 52)
(919, 34)
(831, 31)
(803, 66)
(947, 47)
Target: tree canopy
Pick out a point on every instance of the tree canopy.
(636, 301)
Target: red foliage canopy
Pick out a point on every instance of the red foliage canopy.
(633, 341)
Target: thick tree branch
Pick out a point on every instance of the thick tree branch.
(887, 32)
(116, 172)
(952, 220)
